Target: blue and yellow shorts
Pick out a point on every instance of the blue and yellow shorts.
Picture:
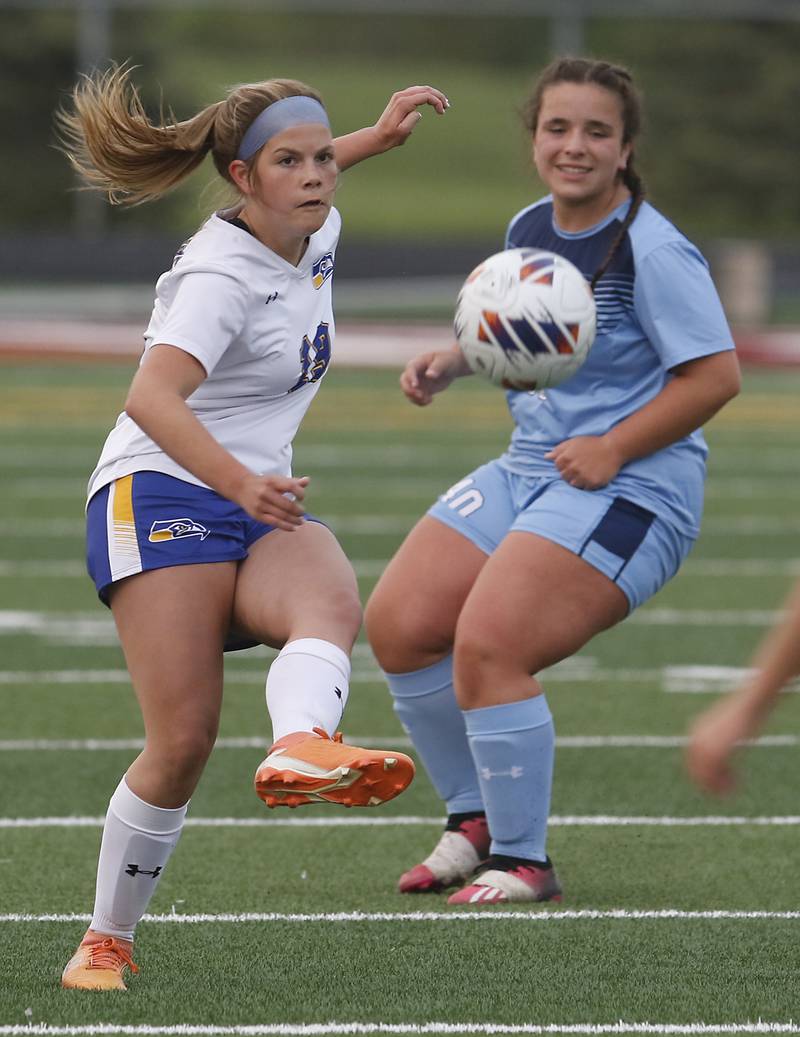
(149, 520)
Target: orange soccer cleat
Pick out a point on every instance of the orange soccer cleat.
(98, 964)
(320, 769)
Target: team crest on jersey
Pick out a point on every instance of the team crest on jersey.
(322, 270)
(176, 529)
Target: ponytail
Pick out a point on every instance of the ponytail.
(634, 183)
(115, 148)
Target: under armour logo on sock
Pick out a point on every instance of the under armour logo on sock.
(338, 692)
(515, 772)
(134, 869)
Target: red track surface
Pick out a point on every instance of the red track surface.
(356, 344)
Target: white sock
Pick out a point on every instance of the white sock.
(307, 687)
(137, 841)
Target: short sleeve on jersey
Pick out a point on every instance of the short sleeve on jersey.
(678, 306)
(207, 312)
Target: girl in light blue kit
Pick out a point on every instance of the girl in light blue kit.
(589, 512)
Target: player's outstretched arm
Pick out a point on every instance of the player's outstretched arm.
(740, 715)
(393, 128)
(429, 373)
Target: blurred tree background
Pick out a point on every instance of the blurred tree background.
(720, 151)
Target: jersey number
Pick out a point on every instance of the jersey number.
(463, 500)
(314, 357)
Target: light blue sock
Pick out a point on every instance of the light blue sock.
(426, 705)
(513, 746)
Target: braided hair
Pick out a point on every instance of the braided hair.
(620, 82)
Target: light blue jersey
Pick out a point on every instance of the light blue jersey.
(657, 307)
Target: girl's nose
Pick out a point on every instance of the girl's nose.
(575, 142)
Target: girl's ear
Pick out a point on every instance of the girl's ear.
(240, 175)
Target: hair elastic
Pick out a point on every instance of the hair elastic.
(279, 116)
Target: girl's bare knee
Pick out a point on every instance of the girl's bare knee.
(401, 639)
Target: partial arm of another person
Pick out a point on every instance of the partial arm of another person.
(697, 391)
(432, 372)
(392, 129)
(156, 401)
(740, 714)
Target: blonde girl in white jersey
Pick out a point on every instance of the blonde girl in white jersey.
(197, 537)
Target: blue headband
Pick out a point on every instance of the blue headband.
(279, 116)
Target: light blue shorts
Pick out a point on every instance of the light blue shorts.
(629, 544)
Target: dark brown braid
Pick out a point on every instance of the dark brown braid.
(620, 82)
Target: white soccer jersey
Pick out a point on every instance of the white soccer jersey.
(262, 329)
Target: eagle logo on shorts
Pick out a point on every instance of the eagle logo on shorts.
(176, 529)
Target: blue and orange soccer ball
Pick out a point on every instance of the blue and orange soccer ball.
(525, 319)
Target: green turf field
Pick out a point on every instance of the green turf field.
(678, 909)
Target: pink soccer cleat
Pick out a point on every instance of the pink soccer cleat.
(507, 880)
(463, 846)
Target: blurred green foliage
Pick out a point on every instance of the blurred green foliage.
(720, 152)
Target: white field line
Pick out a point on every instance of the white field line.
(403, 486)
(775, 461)
(354, 457)
(686, 679)
(65, 568)
(390, 525)
(401, 742)
(556, 821)
(71, 625)
(536, 915)
(668, 617)
(334, 1029)
(69, 677)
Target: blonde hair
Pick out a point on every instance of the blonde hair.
(115, 148)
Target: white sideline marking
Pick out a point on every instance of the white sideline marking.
(69, 487)
(755, 487)
(741, 567)
(401, 742)
(60, 568)
(371, 567)
(383, 525)
(123, 677)
(540, 914)
(333, 1029)
(691, 679)
(719, 488)
(750, 525)
(704, 617)
(556, 821)
(99, 624)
